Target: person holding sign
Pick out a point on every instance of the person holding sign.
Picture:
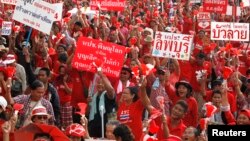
(102, 101)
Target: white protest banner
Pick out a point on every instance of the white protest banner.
(195, 1)
(36, 14)
(6, 28)
(11, 2)
(172, 45)
(246, 3)
(231, 11)
(57, 7)
(230, 31)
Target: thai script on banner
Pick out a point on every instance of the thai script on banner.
(6, 28)
(37, 14)
(204, 19)
(230, 31)
(11, 2)
(216, 6)
(172, 45)
(110, 5)
(89, 50)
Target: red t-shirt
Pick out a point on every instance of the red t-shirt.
(77, 89)
(63, 96)
(186, 75)
(176, 131)
(191, 118)
(131, 115)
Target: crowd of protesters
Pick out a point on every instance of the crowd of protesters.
(170, 103)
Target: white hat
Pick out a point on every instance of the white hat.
(39, 110)
(149, 30)
(10, 59)
(3, 102)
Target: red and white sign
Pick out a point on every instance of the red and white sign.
(172, 45)
(109, 5)
(11, 2)
(6, 28)
(234, 11)
(230, 31)
(215, 6)
(204, 19)
(89, 50)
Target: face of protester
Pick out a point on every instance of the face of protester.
(188, 134)
(124, 75)
(60, 50)
(62, 71)
(42, 76)
(242, 120)
(41, 119)
(178, 112)
(100, 86)
(182, 91)
(127, 96)
(216, 100)
(37, 94)
(163, 76)
(109, 132)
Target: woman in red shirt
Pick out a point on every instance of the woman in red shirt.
(184, 92)
(64, 86)
(131, 108)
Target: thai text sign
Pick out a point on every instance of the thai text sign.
(6, 28)
(216, 6)
(89, 50)
(36, 14)
(12, 2)
(110, 5)
(230, 31)
(172, 45)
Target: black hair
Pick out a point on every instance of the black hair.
(47, 70)
(124, 132)
(37, 135)
(78, 23)
(216, 92)
(36, 84)
(134, 91)
(62, 57)
(183, 104)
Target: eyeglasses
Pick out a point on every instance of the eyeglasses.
(42, 117)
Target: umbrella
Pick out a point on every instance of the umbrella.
(28, 132)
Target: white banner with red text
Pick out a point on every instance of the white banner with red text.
(172, 45)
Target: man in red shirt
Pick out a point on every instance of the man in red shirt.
(174, 121)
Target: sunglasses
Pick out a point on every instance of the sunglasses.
(42, 117)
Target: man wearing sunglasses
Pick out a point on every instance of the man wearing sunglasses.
(39, 115)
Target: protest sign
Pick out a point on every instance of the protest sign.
(6, 28)
(110, 5)
(89, 50)
(203, 20)
(37, 14)
(246, 3)
(230, 31)
(215, 6)
(172, 45)
(11, 2)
